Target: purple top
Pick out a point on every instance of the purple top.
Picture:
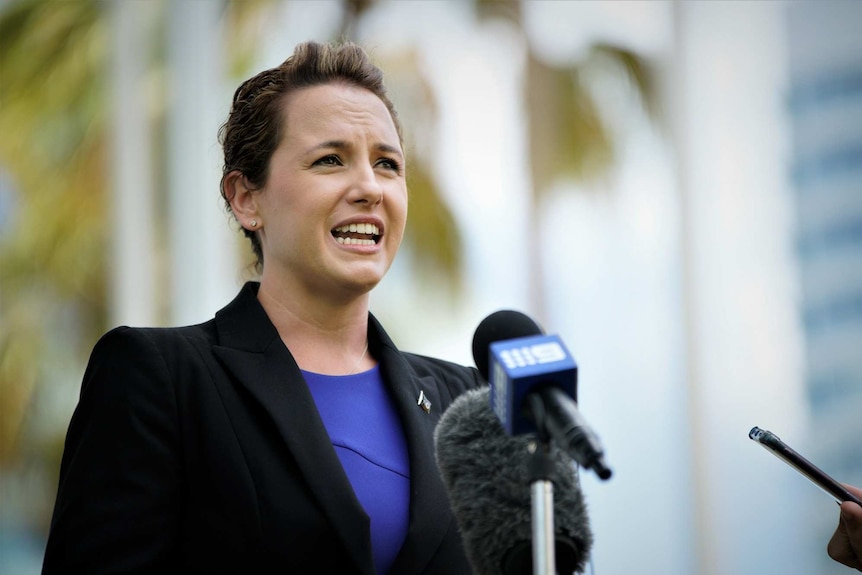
(364, 428)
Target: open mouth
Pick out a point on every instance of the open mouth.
(357, 234)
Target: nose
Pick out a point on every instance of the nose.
(366, 188)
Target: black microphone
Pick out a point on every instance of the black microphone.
(487, 474)
(534, 385)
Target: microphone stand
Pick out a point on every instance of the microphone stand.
(541, 469)
(542, 498)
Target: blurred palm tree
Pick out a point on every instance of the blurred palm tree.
(569, 139)
(54, 58)
(51, 62)
(55, 114)
(54, 107)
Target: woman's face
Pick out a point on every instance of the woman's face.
(334, 206)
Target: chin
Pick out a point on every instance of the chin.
(363, 287)
(362, 283)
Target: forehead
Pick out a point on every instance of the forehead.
(330, 110)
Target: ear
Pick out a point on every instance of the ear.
(243, 200)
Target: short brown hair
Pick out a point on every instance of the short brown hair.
(255, 126)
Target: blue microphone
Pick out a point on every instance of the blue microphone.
(533, 380)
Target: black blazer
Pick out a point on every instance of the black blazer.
(200, 449)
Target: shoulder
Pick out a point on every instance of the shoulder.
(161, 340)
(154, 352)
(457, 377)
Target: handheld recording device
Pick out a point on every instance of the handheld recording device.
(817, 476)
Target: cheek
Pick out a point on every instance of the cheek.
(401, 203)
(400, 216)
(280, 207)
(397, 237)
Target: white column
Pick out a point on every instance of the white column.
(204, 262)
(132, 264)
(744, 343)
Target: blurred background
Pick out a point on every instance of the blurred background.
(673, 187)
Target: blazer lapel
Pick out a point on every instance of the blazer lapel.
(254, 353)
(429, 519)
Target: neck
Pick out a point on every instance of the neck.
(323, 337)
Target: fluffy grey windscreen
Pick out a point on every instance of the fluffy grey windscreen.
(486, 473)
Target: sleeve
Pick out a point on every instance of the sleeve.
(118, 507)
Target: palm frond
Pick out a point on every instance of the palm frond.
(432, 231)
(568, 137)
(639, 71)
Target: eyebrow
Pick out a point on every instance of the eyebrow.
(342, 145)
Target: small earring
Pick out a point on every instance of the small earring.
(254, 223)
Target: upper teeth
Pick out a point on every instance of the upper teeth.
(360, 229)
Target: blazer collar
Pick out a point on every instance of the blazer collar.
(430, 519)
(252, 350)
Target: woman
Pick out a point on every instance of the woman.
(288, 434)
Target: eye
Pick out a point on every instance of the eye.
(389, 164)
(330, 160)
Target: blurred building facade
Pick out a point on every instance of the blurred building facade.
(825, 108)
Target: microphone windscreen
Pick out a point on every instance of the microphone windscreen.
(500, 326)
(487, 476)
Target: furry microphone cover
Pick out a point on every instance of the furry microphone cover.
(487, 475)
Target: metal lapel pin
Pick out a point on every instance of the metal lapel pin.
(423, 402)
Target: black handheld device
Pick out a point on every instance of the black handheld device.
(817, 476)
